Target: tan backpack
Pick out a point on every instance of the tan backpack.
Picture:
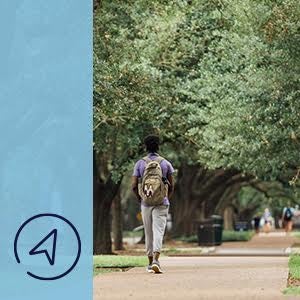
(152, 189)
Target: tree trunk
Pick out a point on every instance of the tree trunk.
(228, 218)
(103, 195)
(198, 194)
(117, 223)
(182, 214)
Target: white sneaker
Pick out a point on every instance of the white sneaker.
(149, 269)
(156, 267)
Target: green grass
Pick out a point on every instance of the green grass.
(110, 263)
(294, 266)
(133, 233)
(296, 234)
(237, 236)
(227, 236)
(171, 251)
(294, 274)
(294, 290)
(188, 239)
(181, 252)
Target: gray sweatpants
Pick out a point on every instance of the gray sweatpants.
(155, 220)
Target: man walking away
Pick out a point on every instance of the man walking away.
(256, 221)
(287, 215)
(152, 183)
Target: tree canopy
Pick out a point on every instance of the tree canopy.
(219, 79)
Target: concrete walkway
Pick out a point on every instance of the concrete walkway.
(211, 277)
(197, 278)
(276, 239)
(271, 244)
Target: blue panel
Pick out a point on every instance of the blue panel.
(46, 149)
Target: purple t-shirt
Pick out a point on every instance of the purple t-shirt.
(166, 167)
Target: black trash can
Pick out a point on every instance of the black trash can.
(205, 232)
(210, 231)
(218, 228)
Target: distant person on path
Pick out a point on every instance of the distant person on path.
(256, 221)
(152, 183)
(267, 218)
(287, 215)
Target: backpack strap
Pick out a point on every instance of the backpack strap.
(159, 159)
(146, 159)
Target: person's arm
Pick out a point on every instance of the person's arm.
(293, 212)
(134, 186)
(171, 186)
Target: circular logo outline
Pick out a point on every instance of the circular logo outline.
(58, 217)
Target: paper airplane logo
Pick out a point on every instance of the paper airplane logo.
(43, 247)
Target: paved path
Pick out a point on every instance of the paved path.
(197, 278)
(277, 239)
(212, 277)
(272, 244)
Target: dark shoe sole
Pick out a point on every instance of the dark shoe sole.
(156, 269)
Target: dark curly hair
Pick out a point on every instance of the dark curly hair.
(152, 143)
